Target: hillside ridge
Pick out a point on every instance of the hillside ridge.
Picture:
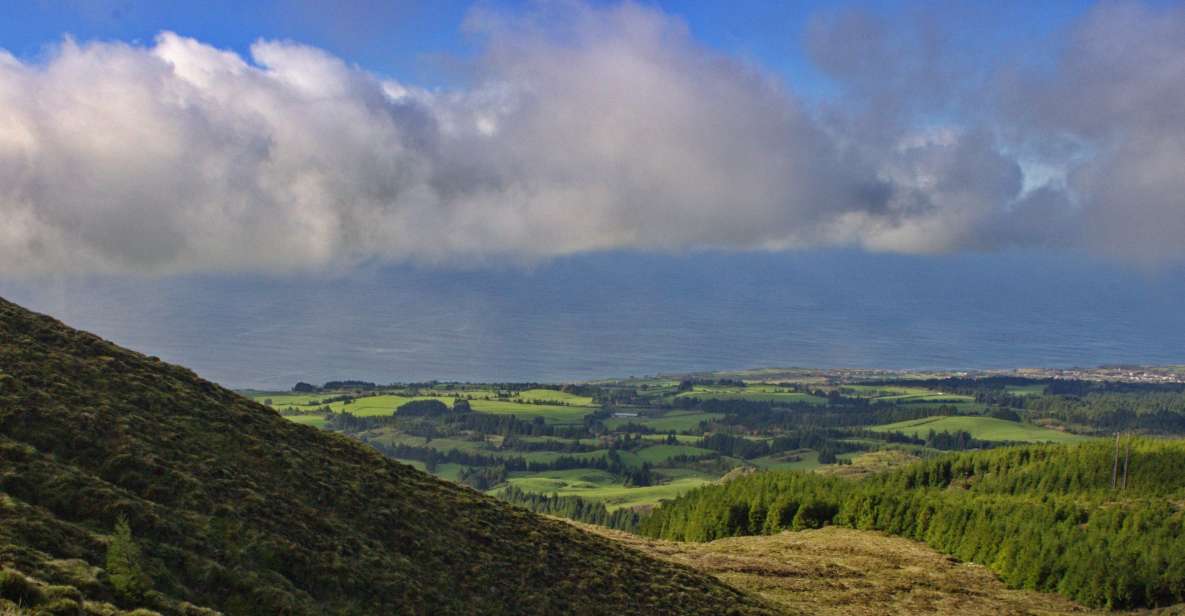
(237, 510)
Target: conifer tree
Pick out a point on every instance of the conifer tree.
(125, 563)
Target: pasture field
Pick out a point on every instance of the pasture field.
(317, 421)
(657, 454)
(757, 393)
(1033, 389)
(671, 420)
(552, 395)
(800, 460)
(599, 486)
(899, 394)
(552, 414)
(982, 428)
(684, 439)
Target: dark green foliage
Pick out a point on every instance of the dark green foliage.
(573, 507)
(1043, 517)
(238, 509)
(423, 408)
(19, 589)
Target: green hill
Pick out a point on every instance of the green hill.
(232, 508)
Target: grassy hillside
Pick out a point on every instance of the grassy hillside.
(234, 508)
(981, 428)
(840, 571)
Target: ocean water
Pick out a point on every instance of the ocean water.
(608, 315)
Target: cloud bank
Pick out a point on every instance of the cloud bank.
(583, 129)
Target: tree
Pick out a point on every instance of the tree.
(304, 388)
(124, 563)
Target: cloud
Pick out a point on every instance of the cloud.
(583, 129)
(1115, 102)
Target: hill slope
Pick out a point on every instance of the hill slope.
(840, 571)
(238, 510)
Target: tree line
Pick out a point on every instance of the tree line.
(1050, 518)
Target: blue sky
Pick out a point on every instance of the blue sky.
(406, 39)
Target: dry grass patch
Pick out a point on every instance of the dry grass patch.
(870, 463)
(842, 571)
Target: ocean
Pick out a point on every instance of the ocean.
(628, 314)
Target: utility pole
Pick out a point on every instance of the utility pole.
(1115, 466)
(1127, 454)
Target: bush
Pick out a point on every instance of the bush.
(814, 514)
(19, 589)
(61, 607)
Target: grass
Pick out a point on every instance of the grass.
(801, 460)
(839, 571)
(904, 394)
(684, 439)
(317, 421)
(551, 395)
(757, 393)
(600, 486)
(657, 454)
(869, 463)
(1032, 389)
(672, 420)
(982, 428)
(552, 414)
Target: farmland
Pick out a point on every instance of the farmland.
(629, 445)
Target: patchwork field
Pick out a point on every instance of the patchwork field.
(564, 408)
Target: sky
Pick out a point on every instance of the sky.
(159, 140)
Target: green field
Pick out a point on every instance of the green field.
(597, 485)
(684, 439)
(672, 420)
(903, 395)
(657, 454)
(759, 393)
(551, 395)
(317, 421)
(552, 414)
(385, 404)
(982, 428)
(1032, 389)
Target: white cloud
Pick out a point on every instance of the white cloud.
(618, 131)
